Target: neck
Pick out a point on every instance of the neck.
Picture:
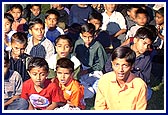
(134, 48)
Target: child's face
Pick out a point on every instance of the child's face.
(87, 38)
(35, 10)
(110, 7)
(16, 13)
(37, 31)
(141, 19)
(143, 45)
(51, 21)
(7, 25)
(17, 48)
(63, 48)
(132, 13)
(38, 75)
(121, 68)
(96, 23)
(159, 19)
(63, 75)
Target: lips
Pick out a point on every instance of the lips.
(63, 54)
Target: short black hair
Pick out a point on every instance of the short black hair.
(96, 15)
(64, 37)
(36, 21)
(141, 11)
(160, 11)
(52, 11)
(88, 27)
(37, 62)
(9, 17)
(146, 32)
(124, 52)
(19, 37)
(65, 63)
(17, 6)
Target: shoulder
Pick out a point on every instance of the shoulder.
(107, 77)
(16, 75)
(76, 86)
(76, 61)
(60, 30)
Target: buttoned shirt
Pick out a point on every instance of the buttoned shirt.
(110, 96)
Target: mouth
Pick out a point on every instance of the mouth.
(120, 74)
(63, 54)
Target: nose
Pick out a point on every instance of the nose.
(38, 77)
(121, 68)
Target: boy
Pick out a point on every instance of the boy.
(141, 44)
(38, 45)
(12, 88)
(51, 29)
(92, 56)
(131, 14)
(102, 36)
(114, 22)
(141, 19)
(36, 12)
(63, 48)
(19, 24)
(73, 92)
(18, 59)
(38, 91)
(8, 32)
(121, 89)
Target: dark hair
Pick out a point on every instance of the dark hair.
(39, 5)
(96, 15)
(17, 6)
(52, 11)
(6, 56)
(131, 6)
(9, 17)
(20, 38)
(36, 21)
(65, 63)
(141, 11)
(124, 52)
(88, 27)
(37, 62)
(64, 37)
(160, 11)
(146, 32)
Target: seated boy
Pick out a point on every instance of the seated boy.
(38, 91)
(72, 90)
(12, 88)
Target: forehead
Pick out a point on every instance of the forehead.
(18, 44)
(60, 69)
(146, 40)
(36, 7)
(38, 69)
(37, 25)
(63, 41)
(87, 34)
(120, 61)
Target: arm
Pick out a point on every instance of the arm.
(52, 106)
(100, 103)
(30, 106)
(142, 98)
(122, 31)
(11, 100)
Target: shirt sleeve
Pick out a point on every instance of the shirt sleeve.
(24, 93)
(100, 103)
(142, 100)
(18, 84)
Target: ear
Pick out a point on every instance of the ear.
(128, 13)
(30, 31)
(136, 40)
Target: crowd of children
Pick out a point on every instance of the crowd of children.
(58, 59)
